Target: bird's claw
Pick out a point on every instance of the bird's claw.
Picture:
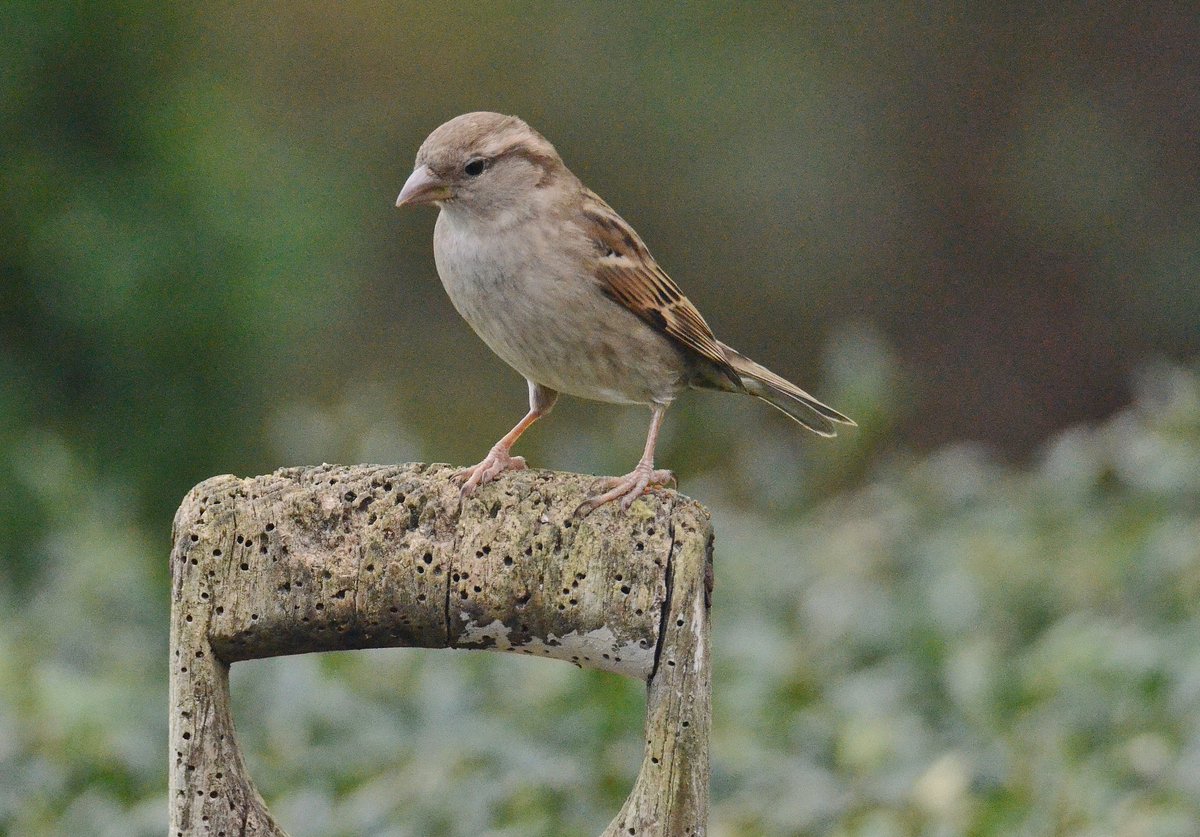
(627, 488)
(492, 466)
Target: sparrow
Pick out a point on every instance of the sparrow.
(558, 285)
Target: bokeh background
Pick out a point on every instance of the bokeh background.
(973, 227)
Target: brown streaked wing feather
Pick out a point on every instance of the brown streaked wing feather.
(630, 276)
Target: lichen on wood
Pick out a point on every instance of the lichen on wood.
(336, 558)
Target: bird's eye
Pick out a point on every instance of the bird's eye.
(475, 167)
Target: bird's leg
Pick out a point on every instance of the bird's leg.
(631, 486)
(498, 460)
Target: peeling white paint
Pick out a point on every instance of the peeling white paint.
(597, 649)
(474, 634)
(698, 631)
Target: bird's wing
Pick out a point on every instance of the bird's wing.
(630, 276)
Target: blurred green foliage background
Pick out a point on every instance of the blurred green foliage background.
(974, 228)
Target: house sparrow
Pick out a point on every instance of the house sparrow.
(564, 291)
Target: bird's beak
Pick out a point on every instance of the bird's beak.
(423, 186)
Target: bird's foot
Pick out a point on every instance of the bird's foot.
(627, 488)
(493, 465)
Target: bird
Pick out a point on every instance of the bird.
(564, 291)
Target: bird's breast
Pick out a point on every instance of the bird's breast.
(532, 302)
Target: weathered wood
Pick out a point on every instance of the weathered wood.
(334, 558)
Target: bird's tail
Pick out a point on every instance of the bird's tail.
(785, 396)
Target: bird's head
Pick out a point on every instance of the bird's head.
(482, 164)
